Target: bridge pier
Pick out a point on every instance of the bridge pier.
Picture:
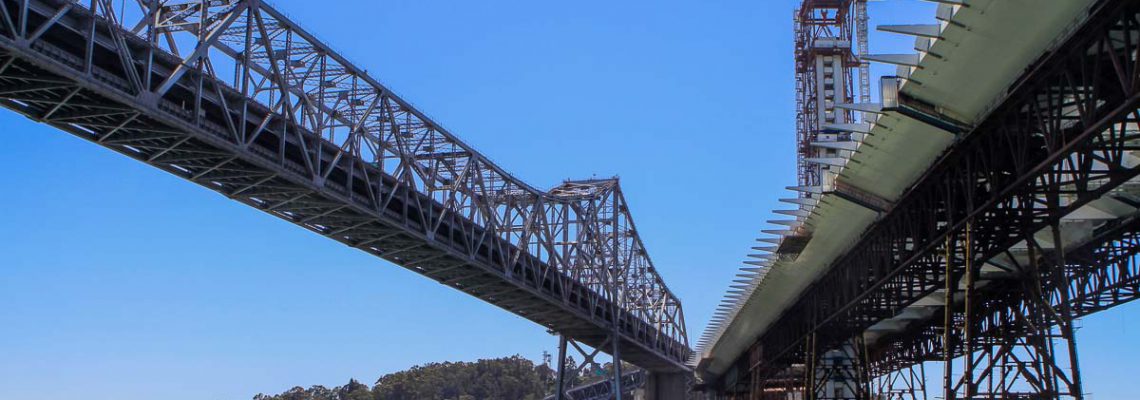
(637, 384)
(611, 387)
(663, 386)
(838, 375)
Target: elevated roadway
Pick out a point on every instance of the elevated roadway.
(870, 256)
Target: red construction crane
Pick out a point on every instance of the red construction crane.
(828, 33)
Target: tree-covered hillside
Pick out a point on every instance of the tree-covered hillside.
(513, 378)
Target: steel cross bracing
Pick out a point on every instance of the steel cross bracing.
(1101, 273)
(233, 96)
(1063, 137)
(603, 390)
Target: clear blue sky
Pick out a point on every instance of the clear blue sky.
(118, 281)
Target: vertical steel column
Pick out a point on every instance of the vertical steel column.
(88, 55)
(968, 325)
(809, 368)
(617, 369)
(615, 271)
(948, 324)
(921, 379)
(24, 18)
(560, 382)
(864, 370)
(152, 38)
(1067, 330)
(1038, 330)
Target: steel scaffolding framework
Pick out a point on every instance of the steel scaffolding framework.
(823, 28)
(1064, 136)
(233, 96)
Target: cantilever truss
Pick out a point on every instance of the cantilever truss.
(232, 95)
(1067, 134)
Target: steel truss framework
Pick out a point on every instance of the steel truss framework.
(1016, 331)
(602, 390)
(1062, 138)
(606, 389)
(231, 95)
(908, 383)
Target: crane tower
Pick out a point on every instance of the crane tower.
(831, 38)
(826, 59)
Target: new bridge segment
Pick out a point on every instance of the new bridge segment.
(986, 202)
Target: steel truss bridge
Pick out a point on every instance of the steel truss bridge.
(983, 265)
(233, 96)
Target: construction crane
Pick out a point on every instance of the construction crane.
(864, 66)
(831, 40)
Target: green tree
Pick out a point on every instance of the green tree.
(505, 378)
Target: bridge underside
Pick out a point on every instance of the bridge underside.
(1025, 224)
(62, 65)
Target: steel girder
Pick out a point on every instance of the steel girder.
(1062, 138)
(233, 96)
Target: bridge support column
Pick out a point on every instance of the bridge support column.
(839, 375)
(907, 383)
(616, 367)
(567, 375)
(1019, 340)
(560, 378)
(662, 386)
